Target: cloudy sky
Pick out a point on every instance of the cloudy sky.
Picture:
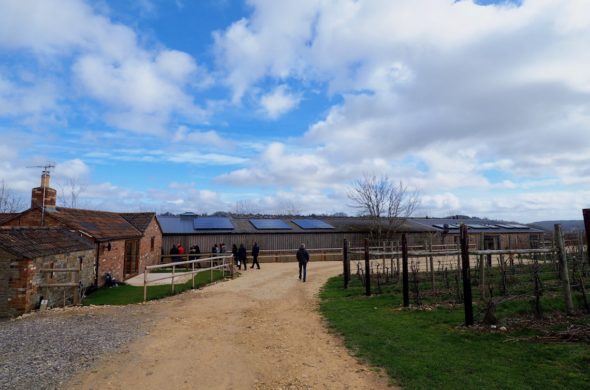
(269, 106)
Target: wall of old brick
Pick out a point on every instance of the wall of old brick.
(112, 260)
(147, 255)
(21, 280)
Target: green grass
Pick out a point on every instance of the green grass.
(126, 294)
(431, 350)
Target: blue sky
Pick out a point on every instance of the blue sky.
(266, 106)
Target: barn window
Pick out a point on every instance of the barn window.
(152, 243)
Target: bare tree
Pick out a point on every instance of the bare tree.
(245, 207)
(9, 201)
(386, 203)
(70, 191)
(287, 207)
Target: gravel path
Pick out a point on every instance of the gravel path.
(42, 351)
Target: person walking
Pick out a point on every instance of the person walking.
(174, 251)
(255, 251)
(302, 259)
(234, 252)
(243, 256)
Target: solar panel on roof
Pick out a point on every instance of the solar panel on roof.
(270, 224)
(312, 224)
(512, 226)
(477, 226)
(212, 223)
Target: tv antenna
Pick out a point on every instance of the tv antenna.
(46, 169)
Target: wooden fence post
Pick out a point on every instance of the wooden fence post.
(586, 213)
(145, 279)
(565, 278)
(406, 287)
(465, 270)
(431, 259)
(482, 268)
(367, 269)
(345, 263)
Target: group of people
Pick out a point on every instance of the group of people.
(177, 251)
(241, 256)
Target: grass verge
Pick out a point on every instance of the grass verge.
(126, 294)
(422, 349)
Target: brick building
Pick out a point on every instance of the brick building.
(124, 242)
(26, 251)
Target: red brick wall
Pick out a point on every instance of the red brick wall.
(111, 260)
(147, 255)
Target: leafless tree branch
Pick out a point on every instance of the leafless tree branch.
(386, 203)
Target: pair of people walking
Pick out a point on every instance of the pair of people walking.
(241, 256)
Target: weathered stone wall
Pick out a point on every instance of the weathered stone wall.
(20, 280)
(5, 292)
(147, 254)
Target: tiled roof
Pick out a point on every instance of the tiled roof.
(7, 216)
(183, 224)
(32, 242)
(101, 225)
(140, 221)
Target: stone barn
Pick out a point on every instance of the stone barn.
(25, 253)
(124, 242)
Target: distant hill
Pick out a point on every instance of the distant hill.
(567, 226)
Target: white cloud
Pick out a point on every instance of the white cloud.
(201, 138)
(142, 89)
(486, 98)
(278, 102)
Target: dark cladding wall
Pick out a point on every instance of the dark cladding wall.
(268, 241)
(318, 240)
(275, 241)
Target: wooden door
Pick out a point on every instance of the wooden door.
(131, 257)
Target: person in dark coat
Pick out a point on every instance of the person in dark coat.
(302, 259)
(234, 252)
(243, 255)
(174, 251)
(255, 252)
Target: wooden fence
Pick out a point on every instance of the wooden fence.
(223, 262)
(499, 275)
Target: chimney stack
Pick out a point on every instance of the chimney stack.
(44, 196)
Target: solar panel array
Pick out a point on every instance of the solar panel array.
(480, 226)
(270, 224)
(312, 224)
(212, 223)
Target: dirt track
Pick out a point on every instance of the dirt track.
(259, 331)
